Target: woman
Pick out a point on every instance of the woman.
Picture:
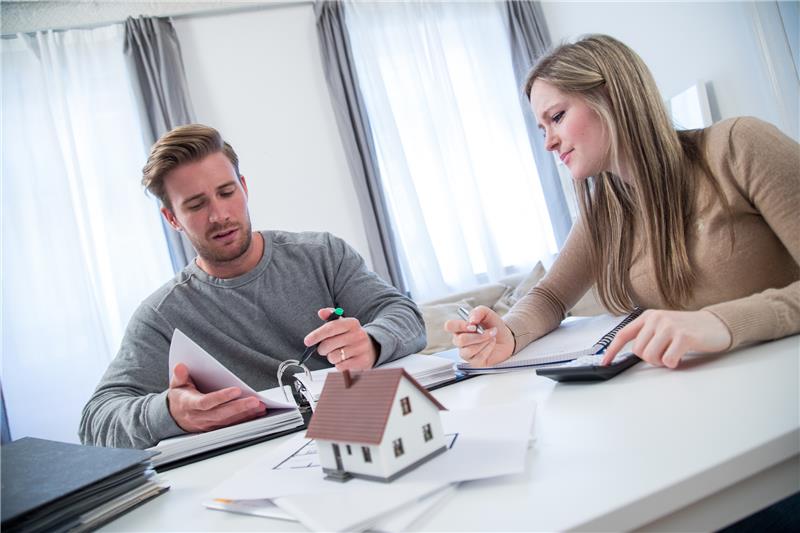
(700, 227)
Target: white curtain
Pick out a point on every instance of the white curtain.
(457, 168)
(82, 244)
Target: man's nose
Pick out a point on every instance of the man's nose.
(218, 212)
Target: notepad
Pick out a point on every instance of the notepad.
(574, 338)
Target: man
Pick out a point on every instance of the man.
(251, 299)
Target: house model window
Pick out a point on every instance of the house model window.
(398, 447)
(405, 405)
(372, 409)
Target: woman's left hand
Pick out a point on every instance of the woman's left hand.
(662, 338)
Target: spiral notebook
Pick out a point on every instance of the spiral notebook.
(574, 338)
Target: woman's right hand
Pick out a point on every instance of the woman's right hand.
(494, 345)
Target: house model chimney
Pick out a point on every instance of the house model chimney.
(348, 380)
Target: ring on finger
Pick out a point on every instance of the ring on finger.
(344, 355)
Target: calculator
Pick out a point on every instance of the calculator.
(588, 368)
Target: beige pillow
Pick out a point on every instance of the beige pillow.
(435, 315)
(589, 305)
(511, 297)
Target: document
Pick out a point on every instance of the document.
(428, 370)
(484, 442)
(209, 375)
(575, 337)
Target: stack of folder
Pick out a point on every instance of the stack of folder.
(55, 486)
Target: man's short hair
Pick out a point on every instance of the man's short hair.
(184, 144)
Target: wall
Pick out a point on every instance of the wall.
(257, 77)
(683, 42)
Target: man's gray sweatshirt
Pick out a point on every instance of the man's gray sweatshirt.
(250, 324)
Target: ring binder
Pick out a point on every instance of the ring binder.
(282, 368)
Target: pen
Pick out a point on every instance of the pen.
(338, 312)
(463, 313)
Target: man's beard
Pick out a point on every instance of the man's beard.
(213, 254)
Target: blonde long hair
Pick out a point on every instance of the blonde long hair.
(617, 85)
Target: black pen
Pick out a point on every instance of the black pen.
(338, 312)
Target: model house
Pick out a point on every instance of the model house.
(376, 424)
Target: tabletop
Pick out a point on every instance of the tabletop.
(650, 446)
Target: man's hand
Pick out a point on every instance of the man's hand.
(344, 342)
(194, 411)
(664, 337)
(494, 345)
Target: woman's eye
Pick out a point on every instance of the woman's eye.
(558, 116)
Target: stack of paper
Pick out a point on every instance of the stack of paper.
(428, 370)
(209, 375)
(177, 448)
(55, 486)
(289, 484)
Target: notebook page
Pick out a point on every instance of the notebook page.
(573, 338)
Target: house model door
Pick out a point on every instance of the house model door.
(338, 455)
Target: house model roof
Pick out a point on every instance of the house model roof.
(355, 406)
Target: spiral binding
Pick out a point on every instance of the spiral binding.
(608, 337)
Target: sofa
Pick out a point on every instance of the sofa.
(500, 296)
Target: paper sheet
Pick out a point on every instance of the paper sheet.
(209, 374)
(492, 441)
(428, 370)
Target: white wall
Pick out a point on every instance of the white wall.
(257, 77)
(683, 42)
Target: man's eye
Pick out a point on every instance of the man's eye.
(558, 116)
(225, 194)
(195, 207)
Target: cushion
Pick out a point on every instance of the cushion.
(511, 296)
(589, 305)
(483, 295)
(435, 315)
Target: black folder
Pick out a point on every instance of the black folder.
(48, 485)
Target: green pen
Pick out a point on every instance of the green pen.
(337, 313)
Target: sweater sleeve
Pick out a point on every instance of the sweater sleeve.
(129, 407)
(392, 320)
(545, 306)
(765, 164)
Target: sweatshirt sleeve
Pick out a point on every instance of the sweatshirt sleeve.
(129, 407)
(765, 164)
(392, 320)
(544, 307)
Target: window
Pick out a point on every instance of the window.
(398, 447)
(427, 434)
(451, 142)
(68, 203)
(349, 450)
(405, 405)
(367, 454)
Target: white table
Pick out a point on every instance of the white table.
(692, 449)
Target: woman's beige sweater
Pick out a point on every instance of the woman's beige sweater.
(753, 288)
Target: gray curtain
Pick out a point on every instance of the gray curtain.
(354, 128)
(152, 45)
(5, 431)
(529, 40)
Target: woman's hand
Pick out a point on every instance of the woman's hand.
(662, 338)
(494, 345)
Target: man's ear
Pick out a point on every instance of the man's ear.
(170, 217)
(244, 185)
